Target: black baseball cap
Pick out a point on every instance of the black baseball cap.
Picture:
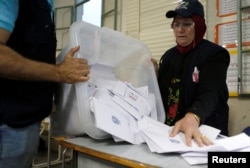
(187, 8)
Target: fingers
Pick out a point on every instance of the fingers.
(205, 140)
(175, 130)
(154, 61)
(191, 131)
(199, 139)
(188, 137)
(84, 78)
(202, 140)
(82, 73)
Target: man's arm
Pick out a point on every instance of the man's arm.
(15, 66)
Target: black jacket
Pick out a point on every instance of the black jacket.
(207, 98)
(24, 102)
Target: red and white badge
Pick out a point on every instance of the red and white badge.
(196, 75)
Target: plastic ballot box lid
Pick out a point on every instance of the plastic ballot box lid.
(130, 60)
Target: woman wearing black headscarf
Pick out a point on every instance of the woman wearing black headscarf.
(192, 76)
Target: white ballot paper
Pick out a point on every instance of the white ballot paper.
(237, 143)
(158, 134)
(135, 98)
(114, 120)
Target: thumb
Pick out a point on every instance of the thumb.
(73, 51)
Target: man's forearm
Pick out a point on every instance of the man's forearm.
(14, 66)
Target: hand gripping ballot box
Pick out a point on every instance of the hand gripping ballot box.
(130, 61)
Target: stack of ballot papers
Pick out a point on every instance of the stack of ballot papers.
(125, 112)
(156, 135)
(117, 106)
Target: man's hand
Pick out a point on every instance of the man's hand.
(73, 70)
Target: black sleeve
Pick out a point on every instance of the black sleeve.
(212, 80)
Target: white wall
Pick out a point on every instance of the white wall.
(63, 20)
(239, 108)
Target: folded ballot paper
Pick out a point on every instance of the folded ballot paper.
(118, 107)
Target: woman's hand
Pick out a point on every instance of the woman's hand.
(190, 127)
(155, 63)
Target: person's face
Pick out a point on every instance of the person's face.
(184, 30)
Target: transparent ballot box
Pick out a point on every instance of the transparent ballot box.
(121, 57)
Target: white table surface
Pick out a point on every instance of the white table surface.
(138, 153)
